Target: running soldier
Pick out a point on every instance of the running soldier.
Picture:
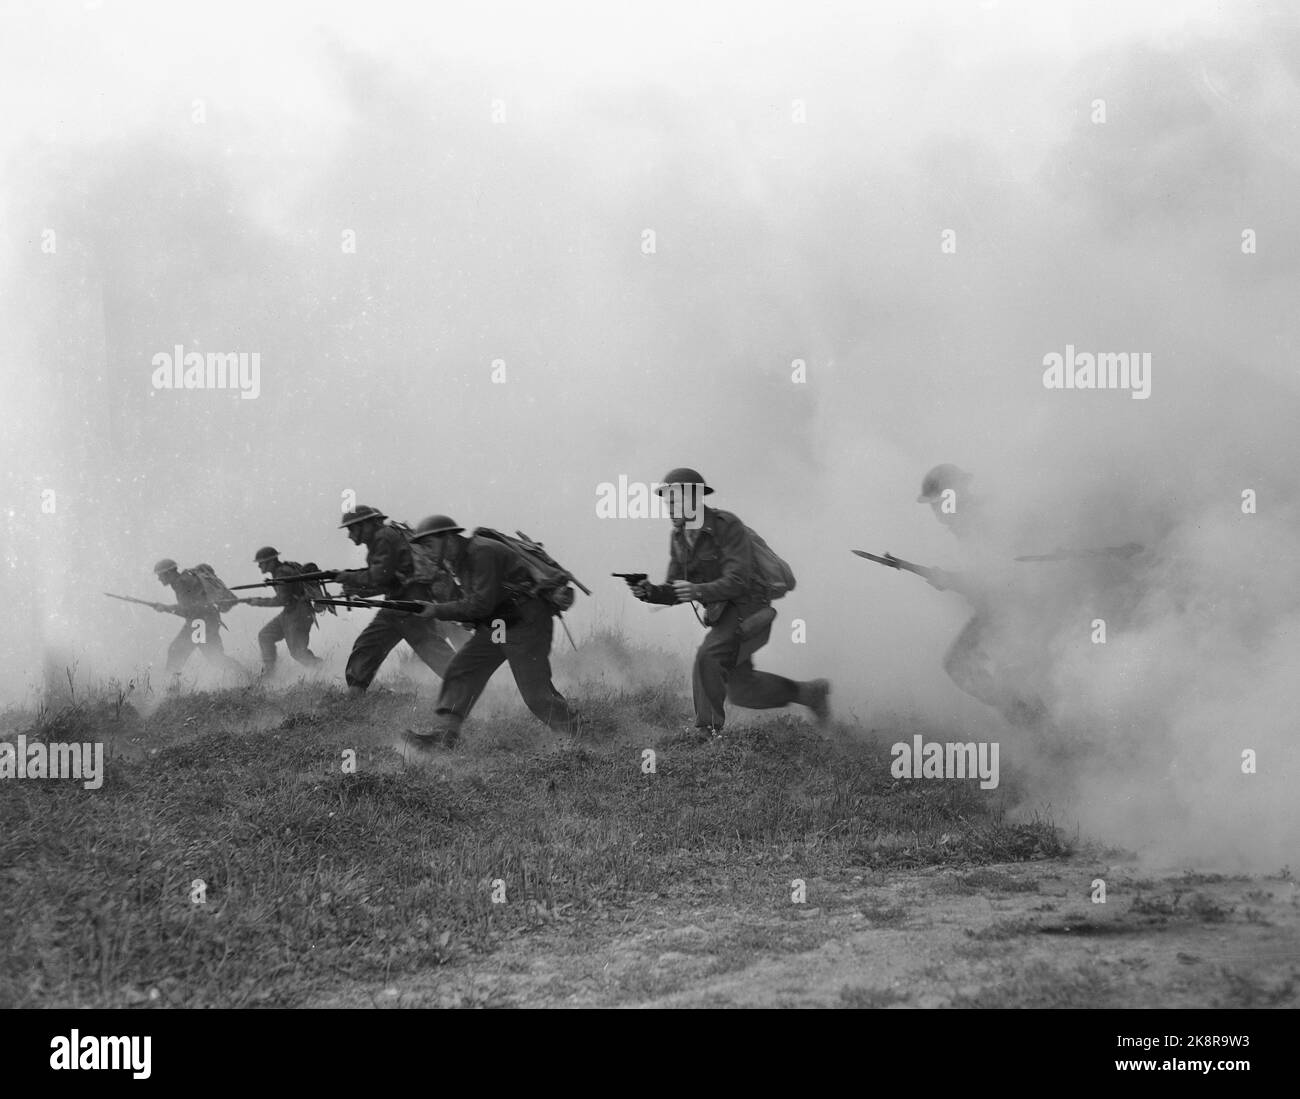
(977, 660)
(202, 628)
(389, 572)
(510, 624)
(297, 614)
(711, 560)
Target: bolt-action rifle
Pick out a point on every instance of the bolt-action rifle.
(142, 602)
(323, 576)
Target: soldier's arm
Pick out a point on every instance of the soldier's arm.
(276, 600)
(485, 594)
(381, 565)
(737, 554)
(663, 593)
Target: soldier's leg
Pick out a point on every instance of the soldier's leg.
(213, 649)
(464, 680)
(715, 656)
(179, 650)
(753, 689)
(423, 635)
(970, 665)
(528, 648)
(374, 643)
(297, 633)
(267, 638)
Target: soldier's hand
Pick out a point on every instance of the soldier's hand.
(641, 590)
(430, 609)
(939, 579)
(685, 591)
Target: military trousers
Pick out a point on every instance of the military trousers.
(379, 638)
(524, 641)
(971, 665)
(724, 670)
(183, 644)
(292, 626)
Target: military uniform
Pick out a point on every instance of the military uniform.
(719, 558)
(193, 605)
(979, 660)
(388, 572)
(293, 624)
(493, 578)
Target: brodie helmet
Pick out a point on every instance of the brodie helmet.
(360, 515)
(435, 524)
(266, 553)
(940, 479)
(683, 475)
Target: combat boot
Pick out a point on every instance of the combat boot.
(815, 694)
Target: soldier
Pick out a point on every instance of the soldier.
(202, 628)
(970, 661)
(297, 615)
(389, 572)
(711, 559)
(509, 625)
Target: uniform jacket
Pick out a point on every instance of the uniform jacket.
(721, 562)
(493, 581)
(191, 597)
(290, 596)
(389, 565)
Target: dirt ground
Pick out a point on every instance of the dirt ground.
(1017, 935)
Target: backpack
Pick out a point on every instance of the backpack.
(214, 588)
(313, 589)
(425, 566)
(775, 574)
(548, 579)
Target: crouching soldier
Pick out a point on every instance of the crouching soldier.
(711, 559)
(297, 615)
(509, 625)
(390, 572)
(202, 627)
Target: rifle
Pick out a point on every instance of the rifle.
(1126, 550)
(142, 602)
(405, 606)
(632, 578)
(898, 563)
(324, 576)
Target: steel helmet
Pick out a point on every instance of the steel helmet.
(360, 515)
(683, 475)
(165, 565)
(940, 479)
(435, 524)
(265, 554)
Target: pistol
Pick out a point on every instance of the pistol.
(632, 578)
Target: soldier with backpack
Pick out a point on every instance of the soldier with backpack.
(716, 560)
(297, 614)
(512, 589)
(393, 571)
(200, 599)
